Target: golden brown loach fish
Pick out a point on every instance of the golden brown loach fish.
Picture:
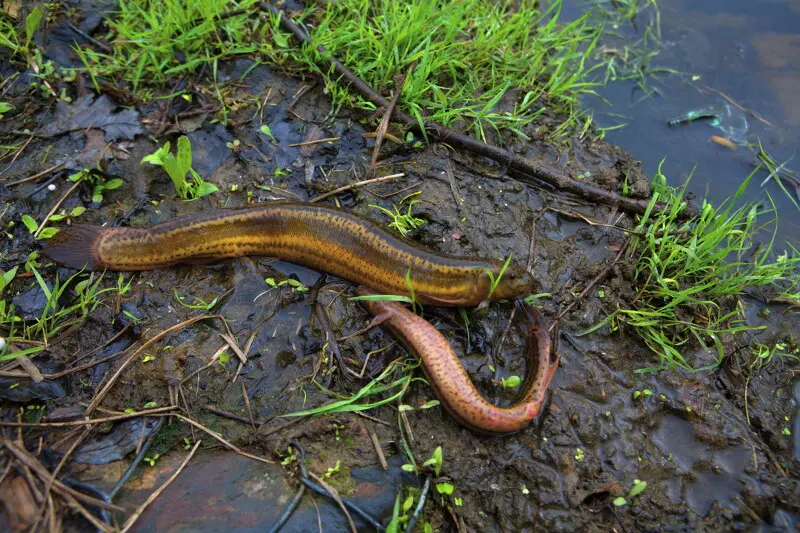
(323, 238)
(450, 380)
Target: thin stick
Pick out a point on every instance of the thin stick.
(318, 141)
(73, 423)
(29, 369)
(413, 520)
(378, 450)
(247, 405)
(109, 341)
(110, 383)
(384, 125)
(374, 419)
(55, 207)
(17, 374)
(338, 499)
(135, 516)
(226, 414)
(591, 284)
(451, 178)
(356, 185)
(37, 175)
(287, 513)
(217, 436)
(31, 462)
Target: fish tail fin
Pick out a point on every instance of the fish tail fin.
(76, 247)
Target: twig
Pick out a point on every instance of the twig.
(226, 414)
(49, 483)
(318, 141)
(384, 125)
(499, 347)
(287, 513)
(231, 340)
(31, 462)
(107, 49)
(217, 436)
(19, 152)
(377, 445)
(418, 510)
(334, 494)
(741, 108)
(451, 179)
(247, 405)
(37, 175)
(138, 459)
(301, 454)
(355, 185)
(29, 369)
(109, 341)
(56, 375)
(591, 284)
(107, 387)
(135, 516)
(72, 423)
(55, 208)
(374, 419)
(527, 167)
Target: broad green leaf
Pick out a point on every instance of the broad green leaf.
(184, 155)
(157, 157)
(32, 22)
(204, 189)
(48, 233)
(30, 223)
(112, 184)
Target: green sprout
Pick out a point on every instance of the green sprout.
(178, 166)
(638, 488)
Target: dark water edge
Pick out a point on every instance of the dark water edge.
(748, 50)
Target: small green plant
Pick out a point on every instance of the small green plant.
(403, 222)
(98, 181)
(264, 129)
(198, 303)
(332, 470)
(496, 281)
(178, 166)
(152, 460)
(395, 297)
(641, 394)
(289, 456)
(445, 489)
(395, 388)
(56, 316)
(511, 382)
(10, 37)
(436, 461)
(690, 274)
(5, 107)
(638, 488)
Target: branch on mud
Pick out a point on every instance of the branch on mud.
(528, 168)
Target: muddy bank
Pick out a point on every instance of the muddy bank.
(714, 459)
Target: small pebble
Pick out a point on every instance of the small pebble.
(2, 344)
(51, 187)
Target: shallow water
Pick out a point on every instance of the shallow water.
(747, 50)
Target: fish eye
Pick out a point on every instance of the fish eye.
(512, 275)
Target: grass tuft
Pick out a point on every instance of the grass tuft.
(690, 275)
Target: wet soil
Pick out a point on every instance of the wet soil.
(709, 444)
